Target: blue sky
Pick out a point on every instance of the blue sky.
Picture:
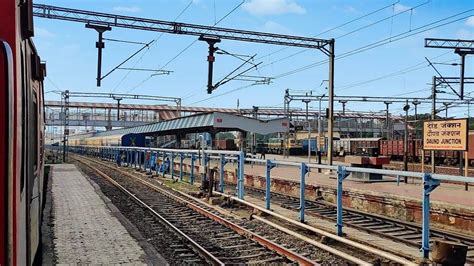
(71, 56)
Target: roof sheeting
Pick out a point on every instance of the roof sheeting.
(205, 121)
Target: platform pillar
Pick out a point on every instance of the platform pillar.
(341, 175)
(163, 164)
(171, 165)
(181, 158)
(191, 174)
(429, 184)
(240, 178)
(223, 162)
(303, 171)
(157, 165)
(152, 161)
(269, 167)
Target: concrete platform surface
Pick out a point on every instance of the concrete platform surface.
(85, 230)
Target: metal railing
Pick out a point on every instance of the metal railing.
(147, 159)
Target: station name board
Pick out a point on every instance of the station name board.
(445, 135)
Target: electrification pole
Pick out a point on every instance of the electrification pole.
(405, 142)
(331, 101)
(387, 119)
(433, 116)
(446, 107)
(416, 103)
(118, 99)
(99, 45)
(211, 41)
(307, 101)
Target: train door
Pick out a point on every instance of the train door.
(31, 181)
(6, 151)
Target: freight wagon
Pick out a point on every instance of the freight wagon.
(355, 146)
(394, 150)
(225, 144)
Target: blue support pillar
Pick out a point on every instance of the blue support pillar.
(172, 165)
(128, 157)
(268, 181)
(151, 161)
(303, 171)
(240, 179)
(429, 184)
(181, 158)
(191, 174)
(157, 165)
(223, 162)
(134, 159)
(205, 159)
(163, 164)
(341, 175)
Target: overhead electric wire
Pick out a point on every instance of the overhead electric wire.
(381, 42)
(337, 27)
(326, 31)
(351, 32)
(373, 45)
(187, 47)
(403, 71)
(154, 43)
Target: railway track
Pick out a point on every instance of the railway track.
(215, 239)
(401, 231)
(289, 239)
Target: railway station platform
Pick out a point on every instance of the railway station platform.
(85, 228)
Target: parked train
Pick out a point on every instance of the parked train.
(394, 149)
(22, 136)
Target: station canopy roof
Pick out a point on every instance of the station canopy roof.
(214, 121)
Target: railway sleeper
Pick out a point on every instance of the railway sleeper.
(402, 234)
(412, 237)
(382, 226)
(248, 257)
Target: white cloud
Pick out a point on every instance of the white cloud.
(272, 26)
(273, 7)
(465, 34)
(43, 33)
(398, 8)
(470, 21)
(350, 9)
(129, 9)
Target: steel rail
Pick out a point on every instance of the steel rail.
(346, 241)
(452, 236)
(312, 242)
(201, 250)
(238, 229)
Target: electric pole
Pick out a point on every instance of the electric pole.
(307, 101)
(433, 117)
(405, 142)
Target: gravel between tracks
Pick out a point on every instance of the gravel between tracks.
(221, 241)
(301, 247)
